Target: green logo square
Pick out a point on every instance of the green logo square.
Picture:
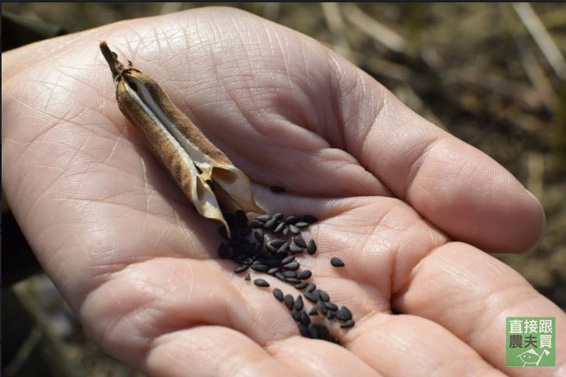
(531, 342)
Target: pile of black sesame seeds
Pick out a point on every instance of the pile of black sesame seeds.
(271, 244)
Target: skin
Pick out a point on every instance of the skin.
(410, 209)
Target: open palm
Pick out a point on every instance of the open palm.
(405, 205)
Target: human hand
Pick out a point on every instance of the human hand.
(407, 207)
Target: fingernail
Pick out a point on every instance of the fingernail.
(543, 229)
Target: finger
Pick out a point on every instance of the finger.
(207, 351)
(470, 294)
(403, 345)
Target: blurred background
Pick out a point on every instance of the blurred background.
(494, 75)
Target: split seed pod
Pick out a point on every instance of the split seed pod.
(196, 165)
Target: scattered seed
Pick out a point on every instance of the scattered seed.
(294, 229)
(309, 219)
(311, 287)
(300, 286)
(331, 306)
(279, 228)
(292, 266)
(283, 247)
(337, 262)
(300, 241)
(259, 235)
(263, 218)
(285, 231)
(291, 220)
(261, 283)
(302, 224)
(256, 224)
(270, 224)
(288, 259)
(331, 314)
(310, 296)
(270, 248)
(289, 301)
(278, 294)
(277, 189)
(260, 267)
(305, 319)
(299, 303)
(276, 243)
(296, 315)
(295, 249)
(241, 268)
(311, 247)
(322, 307)
(290, 274)
(304, 275)
(278, 216)
(313, 311)
(248, 277)
(347, 324)
(304, 330)
(273, 270)
(292, 280)
(347, 313)
(323, 295)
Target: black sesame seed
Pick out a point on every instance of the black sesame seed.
(310, 219)
(278, 294)
(259, 235)
(273, 270)
(302, 224)
(341, 315)
(277, 189)
(278, 216)
(270, 248)
(313, 331)
(263, 218)
(256, 224)
(290, 274)
(280, 276)
(292, 280)
(313, 311)
(248, 277)
(311, 247)
(291, 220)
(331, 314)
(304, 275)
(289, 301)
(288, 259)
(283, 247)
(305, 319)
(270, 224)
(299, 303)
(241, 268)
(296, 316)
(323, 295)
(279, 228)
(300, 241)
(260, 267)
(292, 266)
(285, 231)
(304, 330)
(310, 296)
(295, 249)
(294, 229)
(337, 262)
(347, 324)
(322, 307)
(347, 313)
(261, 283)
(276, 242)
(311, 287)
(331, 306)
(301, 286)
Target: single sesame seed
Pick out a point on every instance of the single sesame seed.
(288, 259)
(311, 287)
(304, 275)
(280, 276)
(259, 235)
(279, 228)
(323, 295)
(289, 301)
(278, 294)
(296, 315)
(278, 216)
(276, 242)
(248, 277)
(304, 330)
(290, 274)
(263, 218)
(331, 306)
(283, 247)
(260, 267)
(291, 220)
(305, 319)
(261, 283)
(337, 262)
(241, 268)
(301, 224)
(313, 311)
(322, 307)
(285, 231)
(310, 296)
(347, 324)
(311, 247)
(299, 303)
(300, 241)
(292, 280)
(331, 314)
(277, 189)
(300, 286)
(272, 270)
(256, 224)
(270, 224)
(309, 219)
(292, 266)
(294, 229)
(295, 249)
(347, 312)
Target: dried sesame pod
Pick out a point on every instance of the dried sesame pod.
(192, 160)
